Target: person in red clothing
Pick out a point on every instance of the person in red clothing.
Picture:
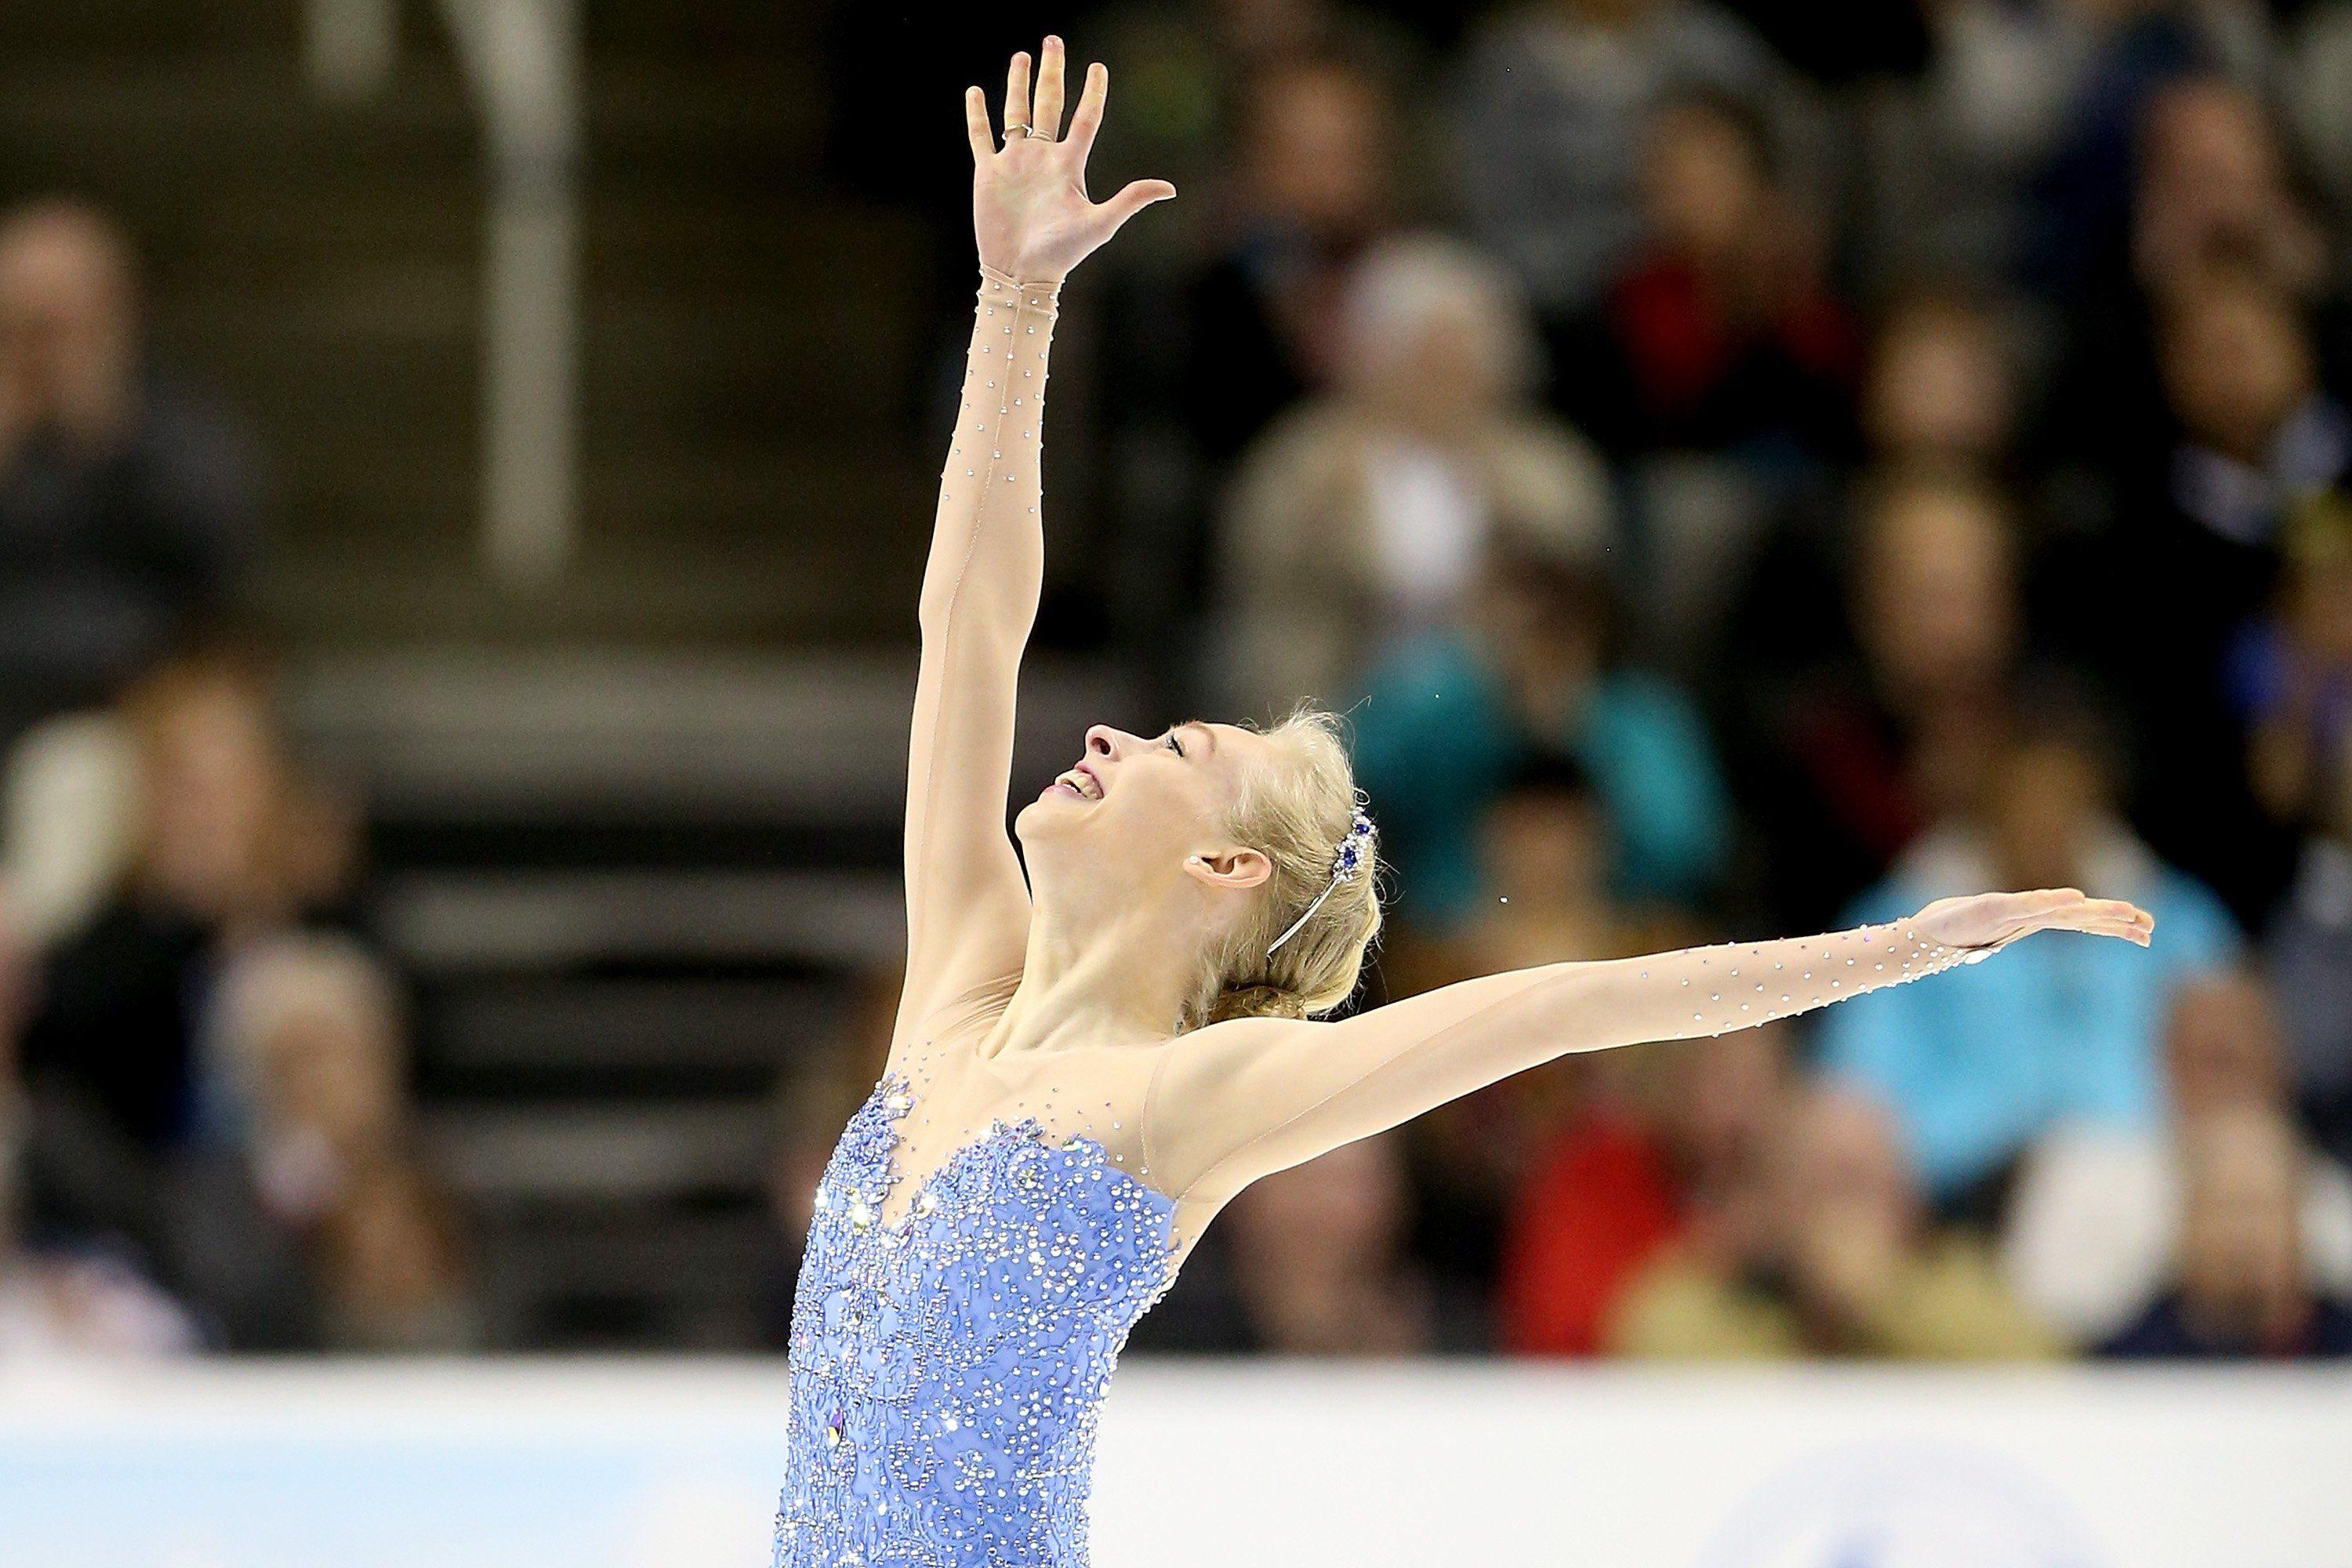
(1662, 1164)
(1723, 327)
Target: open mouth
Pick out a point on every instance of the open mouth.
(1081, 783)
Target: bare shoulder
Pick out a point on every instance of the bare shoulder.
(1212, 1068)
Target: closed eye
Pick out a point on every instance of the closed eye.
(1174, 745)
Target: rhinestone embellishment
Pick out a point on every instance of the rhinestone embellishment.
(947, 1366)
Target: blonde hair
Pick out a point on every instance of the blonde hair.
(1295, 815)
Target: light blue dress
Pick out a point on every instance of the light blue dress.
(949, 1363)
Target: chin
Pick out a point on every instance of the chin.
(1044, 818)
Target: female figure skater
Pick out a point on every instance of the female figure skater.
(1092, 1058)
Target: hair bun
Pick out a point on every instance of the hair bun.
(1256, 1002)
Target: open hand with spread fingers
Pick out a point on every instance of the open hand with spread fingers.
(1989, 921)
(1030, 211)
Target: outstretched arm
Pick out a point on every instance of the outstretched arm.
(967, 903)
(1239, 1101)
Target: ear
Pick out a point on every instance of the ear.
(1234, 869)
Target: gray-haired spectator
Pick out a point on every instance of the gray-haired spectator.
(125, 508)
(306, 1219)
(1367, 514)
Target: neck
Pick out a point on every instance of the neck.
(1118, 977)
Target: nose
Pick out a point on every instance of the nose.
(1102, 741)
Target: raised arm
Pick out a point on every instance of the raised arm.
(967, 903)
(1238, 1100)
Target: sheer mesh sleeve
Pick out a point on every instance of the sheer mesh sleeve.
(1238, 1100)
(966, 901)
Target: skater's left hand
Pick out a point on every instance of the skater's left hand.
(1030, 211)
(1995, 919)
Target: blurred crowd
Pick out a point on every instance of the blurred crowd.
(205, 1128)
(1746, 470)
(1741, 473)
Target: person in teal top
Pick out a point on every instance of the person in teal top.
(1447, 716)
(1983, 1063)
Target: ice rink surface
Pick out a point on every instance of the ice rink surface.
(673, 1465)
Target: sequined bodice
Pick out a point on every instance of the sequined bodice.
(949, 1363)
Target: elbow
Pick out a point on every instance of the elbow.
(933, 612)
(952, 606)
(973, 623)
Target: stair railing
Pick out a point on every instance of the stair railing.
(521, 60)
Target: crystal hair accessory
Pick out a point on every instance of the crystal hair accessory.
(1354, 853)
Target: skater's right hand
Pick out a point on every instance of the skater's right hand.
(1030, 211)
(1989, 920)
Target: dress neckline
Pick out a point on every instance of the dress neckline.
(893, 1099)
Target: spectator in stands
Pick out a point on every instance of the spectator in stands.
(119, 1019)
(2095, 1222)
(2310, 949)
(1367, 515)
(67, 809)
(1673, 1162)
(1208, 359)
(148, 1121)
(313, 1104)
(2257, 437)
(2258, 432)
(1847, 754)
(1536, 670)
(62, 1304)
(77, 1306)
(1846, 1263)
(1191, 78)
(2039, 107)
(2244, 1287)
(1317, 1259)
(231, 840)
(1319, 182)
(2213, 190)
(1975, 1068)
(1543, 852)
(2211, 197)
(1941, 386)
(125, 508)
(1940, 395)
(1557, 93)
(2289, 674)
(1719, 334)
(1547, 856)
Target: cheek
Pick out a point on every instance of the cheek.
(1159, 809)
